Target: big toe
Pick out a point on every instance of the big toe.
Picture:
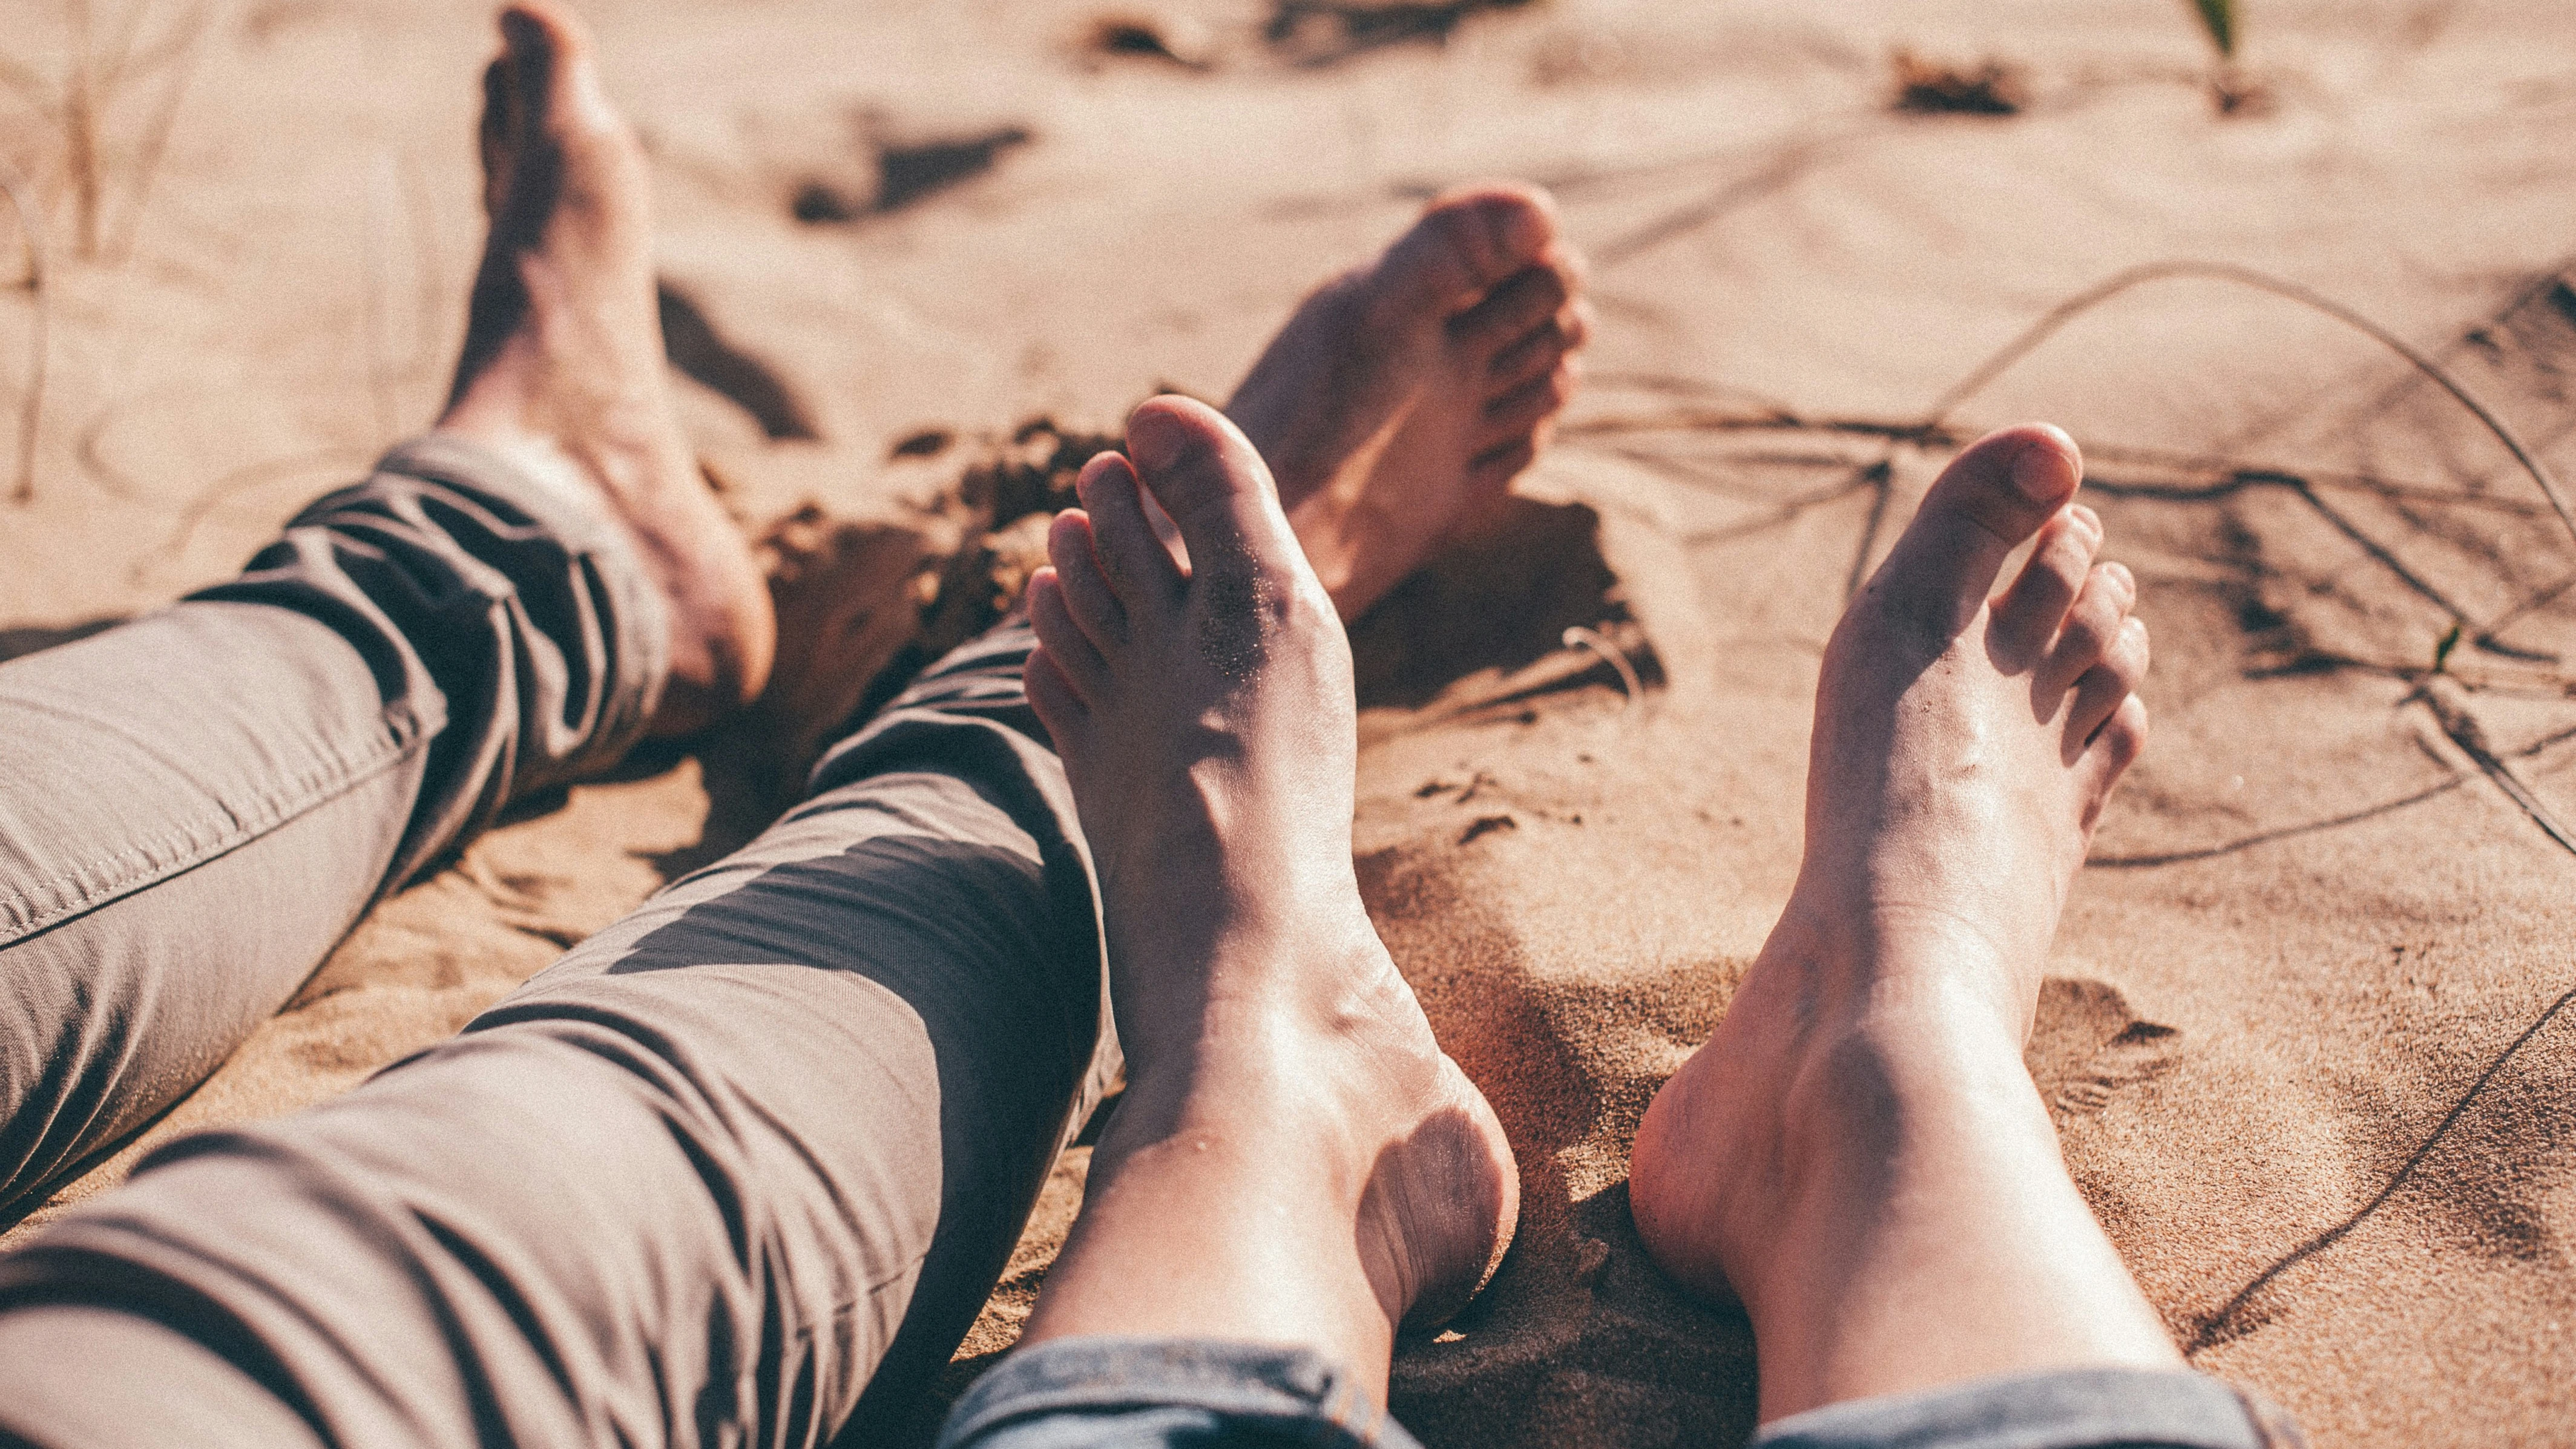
(1212, 482)
(1465, 244)
(548, 59)
(1989, 501)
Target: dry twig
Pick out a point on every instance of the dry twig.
(33, 409)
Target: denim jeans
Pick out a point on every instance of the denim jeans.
(1128, 1393)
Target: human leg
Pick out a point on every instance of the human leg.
(1296, 1168)
(764, 1143)
(618, 1207)
(199, 803)
(757, 1147)
(1859, 1154)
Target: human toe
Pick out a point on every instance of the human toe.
(1520, 219)
(1133, 563)
(2028, 615)
(1521, 305)
(2100, 690)
(553, 51)
(1211, 480)
(1493, 470)
(1537, 351)
(1088, 599)
(2092, 626)
(2115, 747)
(1993, 496)
(1058, 707)
(1081, 663)
(1517, 413)
(1466, 243)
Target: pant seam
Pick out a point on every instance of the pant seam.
(181, 850)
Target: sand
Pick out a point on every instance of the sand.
(2304, 1034)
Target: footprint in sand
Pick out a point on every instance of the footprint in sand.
(2086, 1045)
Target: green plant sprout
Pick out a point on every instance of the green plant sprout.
(2235, 93)
(2218, 17)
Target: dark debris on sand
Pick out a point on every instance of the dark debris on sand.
(1146, 37)
(1991, 88)
(1028, 478)
(867, 601)
(907, 172)
(1323, 32)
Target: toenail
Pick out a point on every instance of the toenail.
(1156, 440)
(2036, 471)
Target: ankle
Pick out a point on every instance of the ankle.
(1831, 1079)
(1280, 956)
(1910, 970)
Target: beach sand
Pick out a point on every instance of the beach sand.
(2304, 1032)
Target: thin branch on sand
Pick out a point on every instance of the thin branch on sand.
(1792, 162)
(32, 410)
(2464, 731)
(2228, 1323)
(2278, 833)
(2067, 311)
(1629, 684)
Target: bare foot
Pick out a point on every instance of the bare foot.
(1402, 398)
(1295, 1160)
(562, 366)
(1858, 1152)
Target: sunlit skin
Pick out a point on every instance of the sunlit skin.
(1402, 398)
(563, 369)
(1859, 1154)
(1295, 1161)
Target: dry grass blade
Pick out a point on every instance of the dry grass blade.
(79, 119)
(33, 409)
(131, 56)
(2067, 311)
(2451, 708)
(181, 44)
(78, 105)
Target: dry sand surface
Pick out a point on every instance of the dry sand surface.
(2304, 1033)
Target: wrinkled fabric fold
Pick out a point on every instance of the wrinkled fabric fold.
(740, 1169)
(197, 804)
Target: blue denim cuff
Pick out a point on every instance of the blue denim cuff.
(1164, 1393)
(2073, 1409)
